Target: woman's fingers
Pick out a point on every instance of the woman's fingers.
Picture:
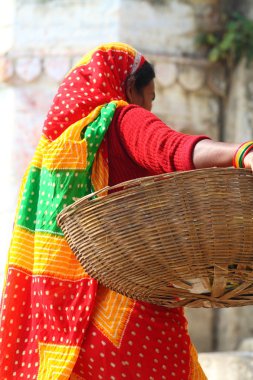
(248, 161)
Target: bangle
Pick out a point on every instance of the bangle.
(241, 153)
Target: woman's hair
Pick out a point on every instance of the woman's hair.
(143, 76)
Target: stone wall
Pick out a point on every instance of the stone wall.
(45, 38)
(158, 26)
(227, 366)
(64, 27)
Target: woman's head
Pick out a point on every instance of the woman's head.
(140, 88)
(99, 78)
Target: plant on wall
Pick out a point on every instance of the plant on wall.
(230, 44)
(227, 46)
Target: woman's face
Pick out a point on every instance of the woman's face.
(148, 95)
(143, 98)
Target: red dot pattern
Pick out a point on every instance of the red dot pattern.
(155, 345)
(40, 309)
(99, 81)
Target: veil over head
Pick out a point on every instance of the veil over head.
(97, 79)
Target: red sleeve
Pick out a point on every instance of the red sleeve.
(152, 144)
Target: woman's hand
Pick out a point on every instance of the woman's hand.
(248, 161)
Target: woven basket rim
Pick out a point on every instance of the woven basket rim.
(142, 181)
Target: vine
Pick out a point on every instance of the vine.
(230, 44)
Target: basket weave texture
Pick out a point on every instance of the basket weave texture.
(178, 239)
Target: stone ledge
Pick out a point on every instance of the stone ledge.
(227, 365)
(192, 74)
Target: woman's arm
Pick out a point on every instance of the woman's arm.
(158, 148)
(208, 153)
(152, 144)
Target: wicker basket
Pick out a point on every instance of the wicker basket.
(179, 239)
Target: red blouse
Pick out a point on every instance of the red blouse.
(140, 144)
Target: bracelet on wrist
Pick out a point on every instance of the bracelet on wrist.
(241, 153)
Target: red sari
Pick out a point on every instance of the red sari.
(56, 322)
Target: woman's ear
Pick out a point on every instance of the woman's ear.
(130, 89)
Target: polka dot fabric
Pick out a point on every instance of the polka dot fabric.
(48, 298)
(34, 304)
(154, 346)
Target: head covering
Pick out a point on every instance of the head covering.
(48, 298)
(99, 78)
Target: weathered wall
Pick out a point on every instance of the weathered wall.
(238, 115)
(157, 26)
(166, 26)
(61, 26)
(238, 123)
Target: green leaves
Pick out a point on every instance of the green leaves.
(231, 44)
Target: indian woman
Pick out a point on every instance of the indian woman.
(56, 321)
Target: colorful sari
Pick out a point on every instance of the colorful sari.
(56, 322)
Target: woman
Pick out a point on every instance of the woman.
(56, 322)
